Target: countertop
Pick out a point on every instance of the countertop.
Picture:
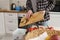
(14, 11)
(55, 20)
(11, 11)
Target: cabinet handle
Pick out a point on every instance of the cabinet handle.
(10, 15)
(11, 30)
(10, 21)
(23, 15)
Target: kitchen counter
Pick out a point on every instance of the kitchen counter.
(55, 20)
(11, 11)
(57, 13)
(14, 11)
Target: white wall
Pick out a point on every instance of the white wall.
(4, 4)
(21, 2)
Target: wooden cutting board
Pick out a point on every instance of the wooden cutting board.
(38, 16)
(36, 33)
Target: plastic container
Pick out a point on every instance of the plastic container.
(19, 34)
(18, 8)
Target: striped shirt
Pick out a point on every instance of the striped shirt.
(46, 5)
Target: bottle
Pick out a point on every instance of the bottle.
(18, 7)
(13, 6)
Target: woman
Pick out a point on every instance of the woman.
(40, 5)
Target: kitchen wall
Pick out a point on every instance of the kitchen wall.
(4, 4)
(21, 2)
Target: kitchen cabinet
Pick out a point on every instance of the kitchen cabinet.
(55, 20)
(20, 15)
(2, 27)
(11, 22)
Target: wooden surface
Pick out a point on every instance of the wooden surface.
(38, 32)
(38, 16)
(11, 11)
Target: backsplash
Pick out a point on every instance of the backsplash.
(21, 2)
(4, 4)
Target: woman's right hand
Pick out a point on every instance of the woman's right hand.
(29, 13)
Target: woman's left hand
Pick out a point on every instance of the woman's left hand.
(43, 12)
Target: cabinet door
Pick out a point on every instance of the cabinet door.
(55, 20)
(11, 22)
(21, 14)
(2, 27)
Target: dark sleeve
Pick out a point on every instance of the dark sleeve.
(28, 5)
(51, 4)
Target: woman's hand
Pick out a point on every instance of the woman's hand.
(29, 13)
(43, 12)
